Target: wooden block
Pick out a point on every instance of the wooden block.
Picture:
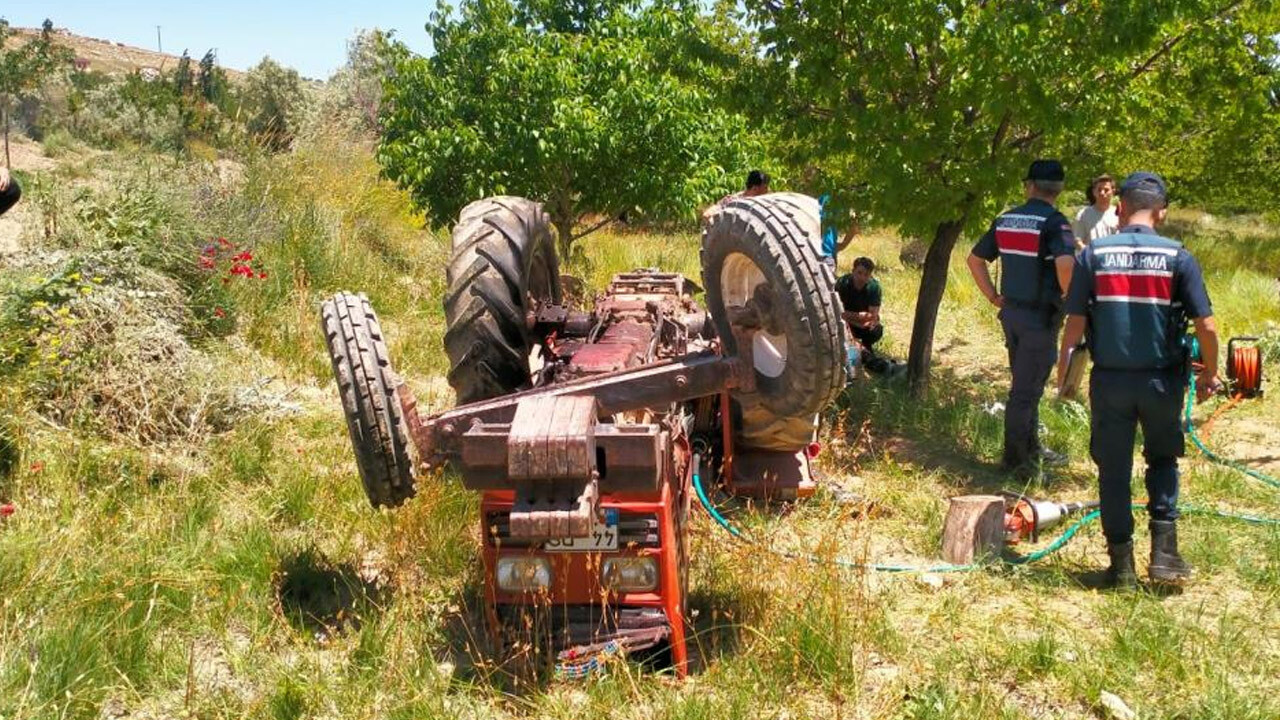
(974, 529)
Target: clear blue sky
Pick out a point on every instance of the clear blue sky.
(310, 37)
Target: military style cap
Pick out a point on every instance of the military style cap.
(1147, 182)
(1050, 170)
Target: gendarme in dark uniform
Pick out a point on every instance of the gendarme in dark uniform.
(1134, 292)
(1028, 241)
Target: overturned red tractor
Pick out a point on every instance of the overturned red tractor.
(583, 427)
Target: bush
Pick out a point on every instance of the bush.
(273, 103)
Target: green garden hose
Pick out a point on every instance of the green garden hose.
(1057, 544)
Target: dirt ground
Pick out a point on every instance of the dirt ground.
(27, 156)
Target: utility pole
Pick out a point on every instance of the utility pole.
(159, 47)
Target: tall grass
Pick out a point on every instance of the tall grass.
(243, 574)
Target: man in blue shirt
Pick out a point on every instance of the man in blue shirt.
(1034, 245)
(1134, 292)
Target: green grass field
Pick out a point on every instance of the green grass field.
(229, 566)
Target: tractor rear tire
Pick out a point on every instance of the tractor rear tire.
(367, 386)
(503, 263)
(766, 249)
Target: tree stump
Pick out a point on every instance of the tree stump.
(974, 528)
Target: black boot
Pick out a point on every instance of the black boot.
(1167, 566)
(1121, 574)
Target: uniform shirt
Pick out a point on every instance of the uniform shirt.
(1138, 290)
(855, 300)
(1090, 224)
(1027, 240)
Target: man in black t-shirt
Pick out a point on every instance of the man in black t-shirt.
(860, 295)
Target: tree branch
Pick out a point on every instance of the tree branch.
(1003, 129)
(607, 221)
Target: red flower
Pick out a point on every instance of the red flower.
(225, 243)
(206, 263)
(7, 509)
(37, 467)
(219, 313)
(262, 275)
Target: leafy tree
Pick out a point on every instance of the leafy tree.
(352, 96)
(271, 98)
(183, 79)
(23, 67)
(212, 80)
(928, 112)
(593, 107)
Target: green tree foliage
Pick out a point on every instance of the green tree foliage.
(929, 111)
(183, 78)
(271, 99)
(24, 65)
(1223, 140)
(212, 81)
(352, 97)
(593, 107)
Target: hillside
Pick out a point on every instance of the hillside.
(113, 58)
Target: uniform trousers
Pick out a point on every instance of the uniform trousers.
(1120, 401)
(1031, 337)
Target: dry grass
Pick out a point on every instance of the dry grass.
(242, 574)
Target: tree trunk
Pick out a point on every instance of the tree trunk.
(932, 284)
(5, 109)
(563, 223)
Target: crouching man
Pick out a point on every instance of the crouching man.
(860, 296)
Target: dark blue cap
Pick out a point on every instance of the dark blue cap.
(1147, 182)
(1050, 170)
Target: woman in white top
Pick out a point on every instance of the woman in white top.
(1098, 218)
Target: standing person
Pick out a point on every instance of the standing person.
(1134, 292)
(757, 184)
(1098, 218)
(10, 191)
(1034, 245)
(830, 245)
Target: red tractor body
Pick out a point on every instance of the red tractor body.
(582, 428)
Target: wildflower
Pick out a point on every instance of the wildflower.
(37, 467)
(262, 275)
(219, 313)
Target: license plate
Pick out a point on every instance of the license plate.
(604, 536)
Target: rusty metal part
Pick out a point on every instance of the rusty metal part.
(622, 345)
(552, 438)
(553, 510)
(772, 475)
(628, 458)
(551, 458)
(650, 386)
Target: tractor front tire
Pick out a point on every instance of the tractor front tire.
(367, 386)
(503, 263)
(763, 252)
